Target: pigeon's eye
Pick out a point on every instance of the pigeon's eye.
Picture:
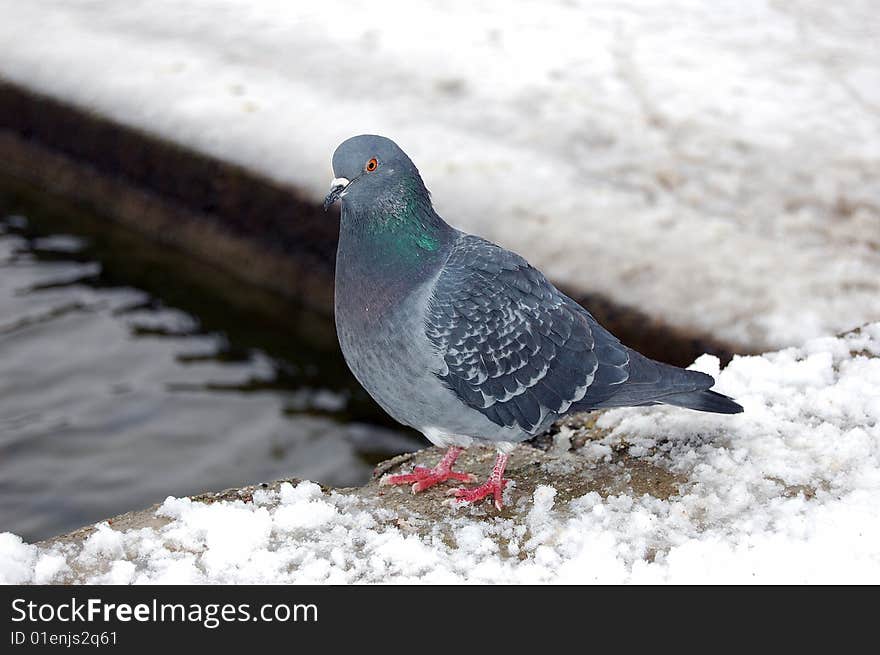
(372, 165)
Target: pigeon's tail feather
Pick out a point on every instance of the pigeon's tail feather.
(704, 401)
(653, 383)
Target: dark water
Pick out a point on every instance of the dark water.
(129, 372)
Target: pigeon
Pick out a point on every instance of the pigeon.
(462, 339)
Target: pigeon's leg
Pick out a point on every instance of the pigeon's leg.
(422, 478)
(494, 485)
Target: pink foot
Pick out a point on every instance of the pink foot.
(494, 485)
(423, 478)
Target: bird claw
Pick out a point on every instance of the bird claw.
(495, 487)
(424, 478)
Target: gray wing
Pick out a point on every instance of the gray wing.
(514, 347)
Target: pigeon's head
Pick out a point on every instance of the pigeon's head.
(367, 167)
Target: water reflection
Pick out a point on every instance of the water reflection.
(113, 396)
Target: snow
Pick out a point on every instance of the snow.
(788, 491)
(714, 164)
(16, 559)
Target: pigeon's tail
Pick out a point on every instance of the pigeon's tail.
(654, 383)
(704, 401)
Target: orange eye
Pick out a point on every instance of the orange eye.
(372, 165)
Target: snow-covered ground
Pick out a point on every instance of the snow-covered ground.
(789, 491)
(714, 163)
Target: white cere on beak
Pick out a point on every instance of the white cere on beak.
(339, 181)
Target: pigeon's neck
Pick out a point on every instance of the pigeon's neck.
(398, 231)
(387, 252)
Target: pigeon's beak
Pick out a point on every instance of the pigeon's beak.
(337, 186)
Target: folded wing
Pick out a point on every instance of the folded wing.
(514, 347)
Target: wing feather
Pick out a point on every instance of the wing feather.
(514, 347)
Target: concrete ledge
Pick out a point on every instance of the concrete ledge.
(545, 460)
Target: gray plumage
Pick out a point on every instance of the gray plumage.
(460, 338)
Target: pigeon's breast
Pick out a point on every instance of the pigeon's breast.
(382, 336)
